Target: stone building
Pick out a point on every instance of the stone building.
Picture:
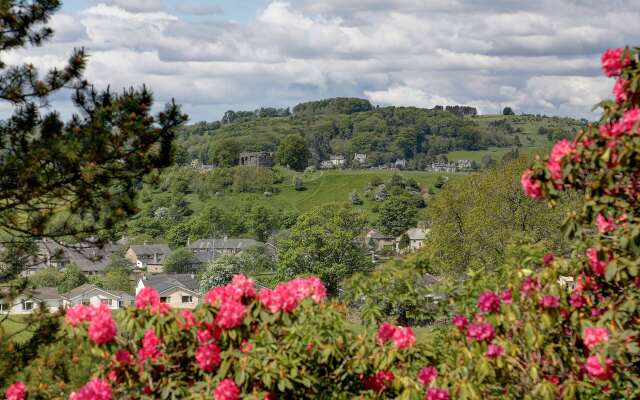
(256, 159)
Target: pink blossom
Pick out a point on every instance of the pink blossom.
(189, 320)
(100, 309)
(607, 131)
(204, 336)
(555, 379)
(161, 308)
(531, 187)
(385, 332)
(208, 356)
(403, 337)
(597, 370)
(378, 382)
(245, 285)
(529, 285)
(460, 321)
(548, 258)
(150, 344)
(597, 266)
(549, 301)
(230, 315)
(596, 312)
(246, 346)
(147, 297)
(427, 375)
(489, 302)
(576, 300)
(594, 336)
(102, 329)
(96, 389)
(226, 390)
(481, 332)
(123, 357)
(626, 125)
(605, 225)
(494, 351)
(17, 391)
(437, 394)
(558, 152)
(613, 62)
(77, 314)
(506, 296)
(620, 90)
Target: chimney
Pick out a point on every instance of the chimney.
(193, 276)
(155, 258)
(226, 238)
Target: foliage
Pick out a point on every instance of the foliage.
(324, 242)
(46, 277)
(220, 272)
(293, 153)
(117, 279)
(508, 111)
(72, 277)
(180, 261)
(397, 214)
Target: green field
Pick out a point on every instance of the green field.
(14, 326)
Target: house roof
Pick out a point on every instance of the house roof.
(151, 250)
(417, 233)
(377, 235)
(222, 244)
(46, 293)
(164, 282)
(86, 256)
(87, 287)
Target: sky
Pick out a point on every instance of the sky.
(539, 56)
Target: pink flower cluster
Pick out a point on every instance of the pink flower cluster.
(287, 296)
(208, 356)
(460, 321)
(529, 285)
(597, 266)
(489, 302)
(403, 337)
(613, 61)
(531, 187)
(627, 125)
(378, 382)
(437, 394)
(594, 336)
(231, 314)
(605, 225)
(560, 150)
(17, 391)
(598, 371)
(102, 327)
(96, 389)
(149, 298)
(481, 332)
(149, 349)
(620, 90)
(549, 301)
(427, 375)
(226, 390)
(494, 351)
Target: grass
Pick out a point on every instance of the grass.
(14, 326)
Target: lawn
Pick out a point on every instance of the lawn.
(14, 326)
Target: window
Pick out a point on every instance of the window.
(120, 304)
(86, 302)
(164, 299)
(106, 301)
(187, 299)
(27, 306)
(4, 307)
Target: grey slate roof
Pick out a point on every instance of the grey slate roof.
(87, 287)
(46, 293)
(222, 244)
(163, 282)
(88, 257)
(377, 235)
(150, 250)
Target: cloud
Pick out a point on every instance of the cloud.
(534, 56)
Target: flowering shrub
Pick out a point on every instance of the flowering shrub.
(282, 343)
(545, 337)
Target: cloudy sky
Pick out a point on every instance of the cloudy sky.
(538, 56)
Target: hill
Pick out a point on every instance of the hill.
(347, 126)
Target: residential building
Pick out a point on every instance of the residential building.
(400, 164)
(88, 294)
(334, 161)
(464, 164)
(209, 249)
(31, 300)
(416, 236)
(148, 257)
(177, 290)
(89, 258)
(257, 159)
(360, 158)
(378, 241)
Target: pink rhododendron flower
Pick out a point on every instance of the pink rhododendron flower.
(596, 312)
(188, 320)
(17, 391)
(605, 225)
(378, 382)
(548, 259)
(460, 321)
(208, 356)
(481, 332)
(427, 375)
(576, 300)
(558, 152)
(529, 285)
(531, 187)
(506, 296)
(147, 297)
(226, 390)
(607, 131)
(403, 337)
(230, 315)
(96, 389)
(246, 346)
(550, 301)
(597, 266)
(77, 314)
(594, 336)
(385, 332)
(555, 379)
(597, 370)
(494, 351)
(216, 296)
(162, 308)
(620, 90)
(489, 302)
(613, 61)
(437, 394)
(102, 329)
(286, 296)
(204, 336)
(123, 357)
(149, 349)
(245, 285)
(628, 124)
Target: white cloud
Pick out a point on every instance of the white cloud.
(407, 96)
(136, 5)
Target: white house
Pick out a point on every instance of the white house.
(416, 236)
(32, 300)
(92, 295)
(178, 290)
(360, 158)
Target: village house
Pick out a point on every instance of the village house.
(464, 164)
(91, 295)
(210, 249)
(32, 300)
(443, 167)
(416, 236)
(256, 159)
(89, 258)
(148, 257)
(400, 164)
(360, 158)
(334, 161)
(177, 290)
(378, 241)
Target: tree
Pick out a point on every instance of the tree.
(178, 235)
(72, 277)
(440, 182)
(293, 152)
(180, 261)
(355, 198)
(256, 259)
(397, 214)
(117, 280)
(404, 241)
(262, 222)
(47, 277)
(225, 152)
(508, 111)
(220, 272)
(324, 242)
